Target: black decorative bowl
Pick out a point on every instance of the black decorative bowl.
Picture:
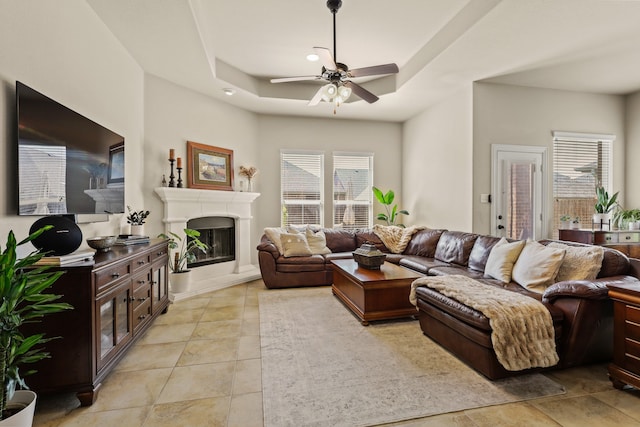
(368, 256)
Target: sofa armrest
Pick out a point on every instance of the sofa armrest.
(587, 289)
(268, 246)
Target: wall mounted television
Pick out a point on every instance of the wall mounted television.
(67, 163)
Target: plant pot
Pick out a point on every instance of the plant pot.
(575, 225)
(633, 225)
(565, 225)
(180, 282)
(137, 230)
(25, 399)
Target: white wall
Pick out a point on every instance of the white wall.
(518, 115)
(632, 175)
(331, 134)
(65, 52)
(437, 164)
(175, 115)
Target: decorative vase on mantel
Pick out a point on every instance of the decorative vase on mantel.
(249, 185)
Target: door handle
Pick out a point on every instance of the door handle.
(500, 227)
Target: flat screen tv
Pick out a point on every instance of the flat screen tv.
(67, 163)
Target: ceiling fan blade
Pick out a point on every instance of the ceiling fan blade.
(361, 92)
(326, 58)
(295, 79)
(375, 70)
(316, 98)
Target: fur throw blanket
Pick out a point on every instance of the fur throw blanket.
(395, 238)
(522, 329)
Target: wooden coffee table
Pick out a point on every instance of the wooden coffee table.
(374, 294)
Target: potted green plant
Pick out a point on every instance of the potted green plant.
(575, 223)
(137, 219)
(604, 205)
(565, 222)
(626, 218)
(22, 293)
(185, 249)
(392, 213)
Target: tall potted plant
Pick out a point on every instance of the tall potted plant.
(23, 300)
(392, 212)
(604, 205)
(185, 247)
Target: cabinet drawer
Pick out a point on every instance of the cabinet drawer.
(111, 274)
(604, 238)
(142, 313)
(141, 261)
(141, 280)
(632, 348)
(159, 253)
(628, 237)
(141, 295)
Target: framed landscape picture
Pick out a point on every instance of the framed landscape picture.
(209, 168)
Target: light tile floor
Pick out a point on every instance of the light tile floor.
(199, 365)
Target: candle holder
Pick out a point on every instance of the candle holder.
(179, 177)
(172, 183)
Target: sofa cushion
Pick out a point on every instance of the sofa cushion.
(317, 242)
(273, 233)
(340, 240)
(368, 236)
(294, 244)
(421, 264)
(579, 263)
(455, 247)
(537, 266)
(455, 269)
(480, 252)
(502, 258)
(423, 243)
(614, 263)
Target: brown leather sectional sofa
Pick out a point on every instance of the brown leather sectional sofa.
(581, 310)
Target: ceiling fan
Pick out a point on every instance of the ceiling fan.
(337, 74)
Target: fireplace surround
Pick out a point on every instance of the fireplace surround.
(184, 204)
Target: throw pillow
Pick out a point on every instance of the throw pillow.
(537, 266)
(501, 259)
(317, 242)
(273, 233)
(579, 263)
(295, 244)
(394, 237)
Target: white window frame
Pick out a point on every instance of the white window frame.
(368, 202)
(320, 203)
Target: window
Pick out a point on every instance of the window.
(581, 162)
(301, 187)
(352, 195)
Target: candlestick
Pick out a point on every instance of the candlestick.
(172, 154)
(172, 183)
(179, 174)
(179, 162)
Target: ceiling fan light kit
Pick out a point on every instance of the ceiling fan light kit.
(339, 87)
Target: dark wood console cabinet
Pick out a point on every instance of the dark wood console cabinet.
(625, 368)
(115, 299)
(627, 242)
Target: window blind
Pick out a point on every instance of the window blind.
(352, 195)
(301, 185)
(580, 166)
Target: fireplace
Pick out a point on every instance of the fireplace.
(219, 234)
(187, 207)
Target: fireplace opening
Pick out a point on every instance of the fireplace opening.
(219, 233)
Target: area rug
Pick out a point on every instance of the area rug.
(321, 367)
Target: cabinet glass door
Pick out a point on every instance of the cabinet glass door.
(159, 285)
(107, 337)
(115, 325)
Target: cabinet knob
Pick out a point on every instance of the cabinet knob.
(115, 275)
(160, 253)
(132, 299)
(144, 316)
(140, 262)
(142, 299)
(141, 281)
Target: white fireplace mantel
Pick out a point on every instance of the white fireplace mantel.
(183, 204)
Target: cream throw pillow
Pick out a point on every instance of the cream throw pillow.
(273, 233)
(501, 259)
(317, 242)
(295, 244)
(579, 263)
(537, 266)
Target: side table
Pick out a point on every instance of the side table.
(625, 369)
